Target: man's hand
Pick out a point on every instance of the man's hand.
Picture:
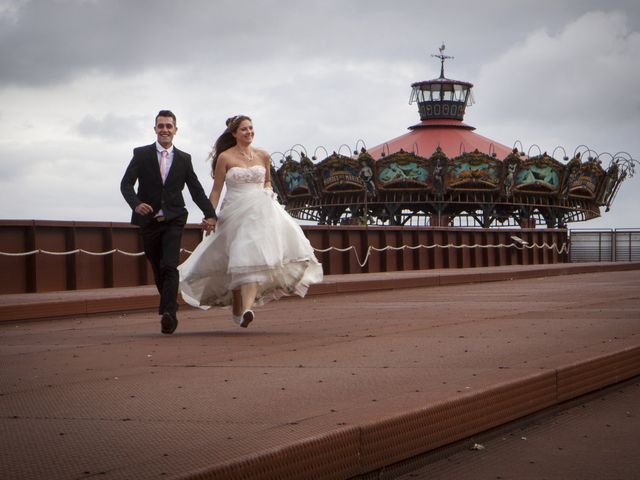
(144, 209)
(208, 225)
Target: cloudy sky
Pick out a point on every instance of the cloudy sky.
(82, 80)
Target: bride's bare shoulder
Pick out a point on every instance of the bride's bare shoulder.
(263, 154)
(227, 160)
(224, 156)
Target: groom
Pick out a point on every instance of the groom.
(162, 171)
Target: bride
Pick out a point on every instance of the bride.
(257, 252)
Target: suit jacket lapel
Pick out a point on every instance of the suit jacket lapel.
(154, 165)
(177, 158)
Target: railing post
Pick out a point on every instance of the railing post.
(109, 260)
(614, 244)
(31, 263)
(599, 246)
(71, 261)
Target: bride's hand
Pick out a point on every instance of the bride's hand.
(208, 225)
(270, 193)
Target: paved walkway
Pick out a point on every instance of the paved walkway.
(50, 305)
(332, 386)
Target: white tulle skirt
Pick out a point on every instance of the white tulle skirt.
(256, 241)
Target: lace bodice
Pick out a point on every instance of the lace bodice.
(240, 175)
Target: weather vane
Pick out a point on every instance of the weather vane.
(442, 58)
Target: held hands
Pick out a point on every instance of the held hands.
(144, 209)
(208, 225)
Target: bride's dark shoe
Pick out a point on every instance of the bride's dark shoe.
(247, 318)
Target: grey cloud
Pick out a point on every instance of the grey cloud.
(50, 42)
(43, 42)
(12, 172)
(113, 127)
(579, 84)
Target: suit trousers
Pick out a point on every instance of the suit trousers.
(162, 241)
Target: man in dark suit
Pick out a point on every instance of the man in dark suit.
(162, 171)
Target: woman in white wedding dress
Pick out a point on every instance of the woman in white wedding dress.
(257, 252)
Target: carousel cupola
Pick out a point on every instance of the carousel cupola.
(441, 98)
(442, 103)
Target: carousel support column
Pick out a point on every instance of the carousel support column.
(527, 223)
(439, 220)
(488, 211)
(392, 210)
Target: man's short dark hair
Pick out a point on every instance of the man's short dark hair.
(167, 113)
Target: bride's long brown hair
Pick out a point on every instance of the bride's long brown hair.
(226, 140)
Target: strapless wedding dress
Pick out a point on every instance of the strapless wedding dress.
(255, 240)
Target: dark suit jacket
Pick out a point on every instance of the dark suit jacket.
(145, 169)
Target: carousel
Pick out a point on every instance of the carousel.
(442, 173)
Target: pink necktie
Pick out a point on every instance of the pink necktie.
(163, 164)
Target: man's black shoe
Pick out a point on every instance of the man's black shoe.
(169, 323)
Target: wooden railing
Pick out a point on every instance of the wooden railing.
(34, 255)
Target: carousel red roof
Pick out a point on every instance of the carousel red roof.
(453, 136)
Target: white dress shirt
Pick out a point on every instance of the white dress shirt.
(159, 149)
